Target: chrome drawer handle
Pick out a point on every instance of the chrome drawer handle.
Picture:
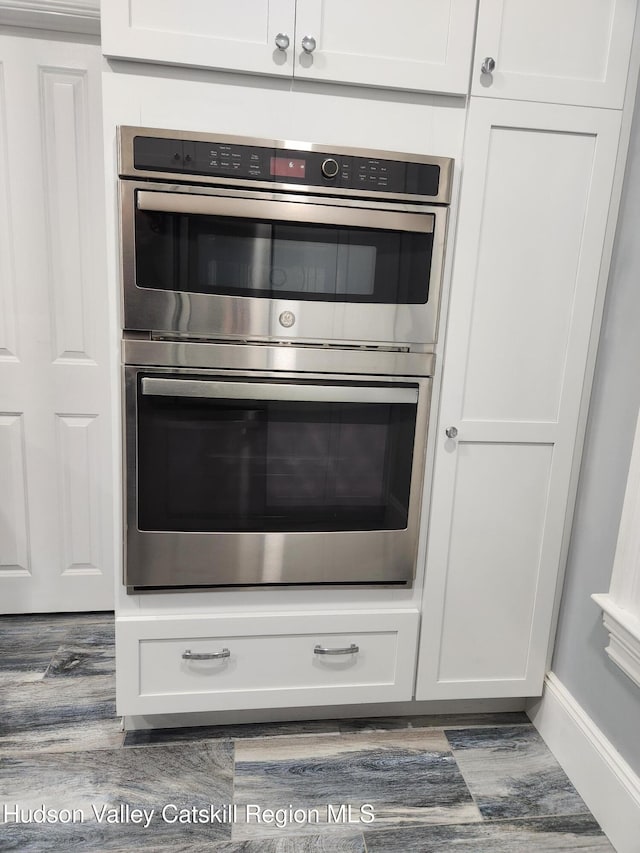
(189, 655)
(350, 650)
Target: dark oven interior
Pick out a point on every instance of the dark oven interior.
(219, 464)
(249, 257)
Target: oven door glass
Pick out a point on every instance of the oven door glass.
(249, 456)
(281, 249)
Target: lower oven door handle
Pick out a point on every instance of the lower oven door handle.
(286, 211)
(157, 387)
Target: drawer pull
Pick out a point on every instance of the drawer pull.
(189, 655)
(349, 650)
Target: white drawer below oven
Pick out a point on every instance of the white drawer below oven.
(204, 663)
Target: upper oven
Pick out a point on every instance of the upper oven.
(250, 239)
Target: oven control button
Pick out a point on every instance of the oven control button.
(287, 319)
(330, 167)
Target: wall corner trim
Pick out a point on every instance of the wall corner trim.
(621, 605)
(624, 636)
(604, 780)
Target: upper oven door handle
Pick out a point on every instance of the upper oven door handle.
(285, 211)
(211, 389)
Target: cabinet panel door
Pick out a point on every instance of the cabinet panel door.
(497, 530)
(574, 52)
(418, 45)
(205, 33)
(534, 206)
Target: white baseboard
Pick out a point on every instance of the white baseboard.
(604, 780)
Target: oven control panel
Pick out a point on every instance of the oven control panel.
(223, 159)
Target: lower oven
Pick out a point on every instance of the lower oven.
(250, 465)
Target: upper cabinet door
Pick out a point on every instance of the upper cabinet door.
(425, 45)
(238, 36)
(573, 52)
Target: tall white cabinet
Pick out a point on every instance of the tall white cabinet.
(532, 222)
(535, 206)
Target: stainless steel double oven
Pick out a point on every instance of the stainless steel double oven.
(280, 306)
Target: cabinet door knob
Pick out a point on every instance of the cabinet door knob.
(308, 44)
(451, 432)
(282, 41)
(488, 65)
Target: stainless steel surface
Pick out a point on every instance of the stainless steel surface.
(348, 650)
(451, 432)
(313, 195)
(282, 211)
(316, 360)
(189, 655)
(249, 348)
(281, 391)
(308, 44)
(170, 559)
(250, 318)
(282, 41)
(126, 135)
(488, 65)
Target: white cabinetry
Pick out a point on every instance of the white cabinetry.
(412, 45)
(574, 52)
(236, 36)
(418, 45)
(541, 147)
(264, 661)
(534, 207)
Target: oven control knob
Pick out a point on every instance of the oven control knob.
(330, 167)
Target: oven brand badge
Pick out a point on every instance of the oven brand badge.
(287, 319)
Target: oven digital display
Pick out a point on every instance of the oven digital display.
(288, 167)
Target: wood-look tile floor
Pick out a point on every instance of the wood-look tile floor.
(469, 783)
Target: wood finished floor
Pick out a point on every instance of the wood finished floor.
(466, 783)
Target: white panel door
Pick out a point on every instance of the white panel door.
(55, 493)
(414, 44)
(237, 36)
(534, 205)
(572, 52)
